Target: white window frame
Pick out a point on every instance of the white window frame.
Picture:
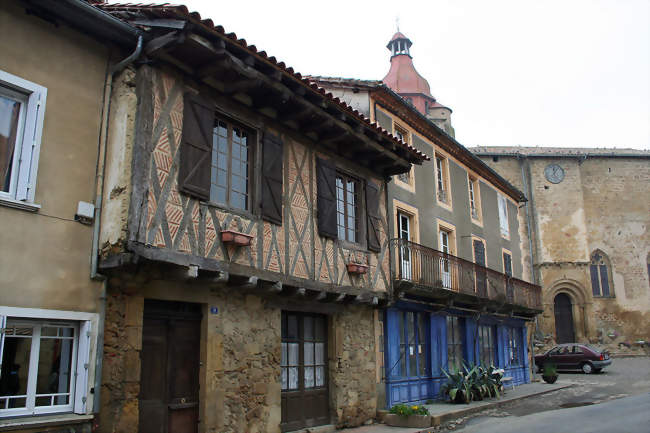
(28, 140)
(84, 324)
(503, 216)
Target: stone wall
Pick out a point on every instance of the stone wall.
(353, 367)
(240, 384)
(600, 204)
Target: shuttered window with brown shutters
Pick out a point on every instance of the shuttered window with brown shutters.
(272, 157)
(374, 220)
(326, 198)
(196, 146)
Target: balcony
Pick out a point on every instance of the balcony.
(424, 273)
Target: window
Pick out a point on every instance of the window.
(442, 180)
(347, 207)
(600, 274)
(454, 343)
(444, 265)
(230, 184)
(44, 365)
(486, 345)
(405, 178)
(22, 105)
(413, 344)
(514, 357)
(304, 351)
(474, 199)
(503, 216)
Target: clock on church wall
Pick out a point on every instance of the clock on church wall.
(554, 173)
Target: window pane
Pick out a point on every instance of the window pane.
(293, 353)
(292, 326)
(309, 328)
(15, 366)
(309, 353)
(293, 378)
(320, 376)
(320, 328)
(9, 116)
(55, 366)
(285, 358)
(309, 377)
(320, 353)
(284, 379)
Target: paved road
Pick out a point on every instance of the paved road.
(624, 415)
(626, 377)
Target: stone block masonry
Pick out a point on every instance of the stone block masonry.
(240, 376)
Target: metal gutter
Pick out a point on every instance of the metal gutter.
(83, 16)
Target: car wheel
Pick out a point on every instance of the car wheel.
(587, 368)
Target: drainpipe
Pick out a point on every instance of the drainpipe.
(99, 193)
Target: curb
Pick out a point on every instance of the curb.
(437, 420)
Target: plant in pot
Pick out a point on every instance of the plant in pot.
(494, 375)
(549, 373)
(457, 388)
(410, 416)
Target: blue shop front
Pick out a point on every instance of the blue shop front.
(421, 340)
(447, 312)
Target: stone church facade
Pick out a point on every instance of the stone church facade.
(588, 216)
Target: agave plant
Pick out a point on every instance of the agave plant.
(457, 387)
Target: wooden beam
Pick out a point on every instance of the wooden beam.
(163, 43)
(165, 23)
(245, 70)
(272, 287)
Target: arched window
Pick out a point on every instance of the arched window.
(600, 270)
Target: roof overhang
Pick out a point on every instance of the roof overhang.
(238, 70)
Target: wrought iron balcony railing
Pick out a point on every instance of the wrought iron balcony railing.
(431, 269)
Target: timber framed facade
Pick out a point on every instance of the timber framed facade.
(248, 206)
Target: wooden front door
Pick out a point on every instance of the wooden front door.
(305, 396)
(169, 387)
(563, 319)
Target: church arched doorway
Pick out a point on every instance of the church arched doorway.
(563, 309)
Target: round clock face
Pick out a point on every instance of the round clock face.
(554, 173)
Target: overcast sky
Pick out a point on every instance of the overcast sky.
(533, 73)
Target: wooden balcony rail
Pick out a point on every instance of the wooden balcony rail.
(432, 269)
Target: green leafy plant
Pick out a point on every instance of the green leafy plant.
(407, 410)
(549, 370)
(474, 382)
(458, 387)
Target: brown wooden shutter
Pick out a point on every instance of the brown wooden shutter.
(272, 178)
(326, 196)
(196, 146)
(374, 220)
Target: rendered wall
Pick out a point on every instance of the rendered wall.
(72, 67)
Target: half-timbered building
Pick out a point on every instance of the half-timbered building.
(458, 246)
(245, 238)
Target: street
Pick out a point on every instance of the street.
(622, 389)
(624, 415)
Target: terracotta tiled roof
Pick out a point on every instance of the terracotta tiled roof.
(168, 10)
(398, 35)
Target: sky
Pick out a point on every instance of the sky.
(572, 73)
